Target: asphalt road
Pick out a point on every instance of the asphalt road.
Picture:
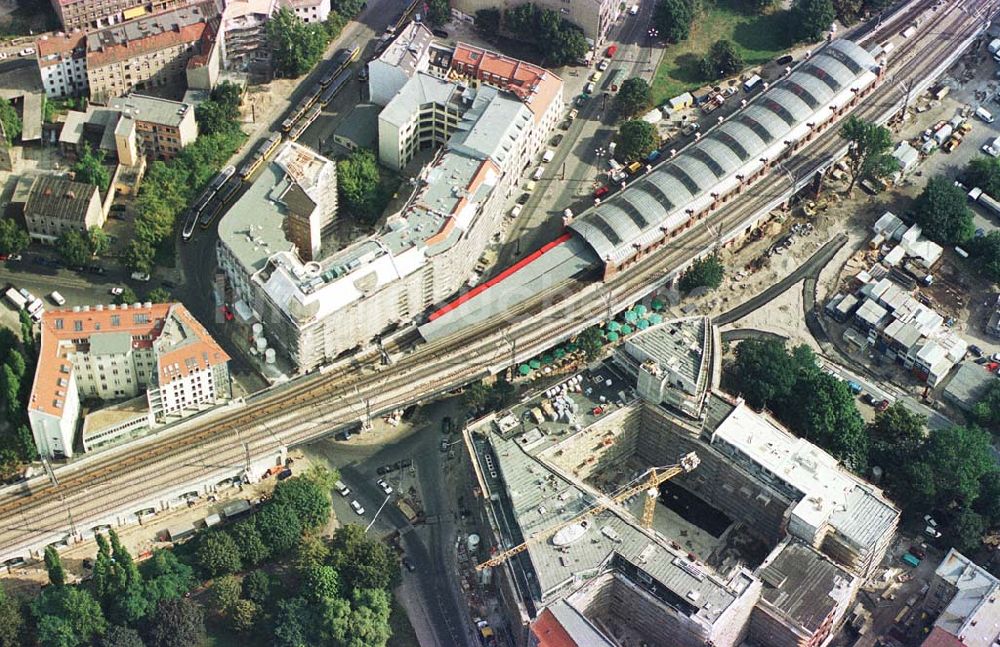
(429, 547)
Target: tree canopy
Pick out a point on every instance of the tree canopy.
(634, 97)
(296, 46)
(283, 527)
(636, 140)
(705, 272)
(67, 616)
(559, 41)
(307, 499)
(590, 342)
(488, 22)
(984, 172)
(177, 622)
(812, 18)
(673, 18)
(438, 12)
(74, 248)
(221, 113)
(722, 60)
(11, 621)
(869, 155)
(217, 553)
(942, 212)
(13, 238)
(90, 169)
(987, 411)
(363, 563)
(10, 121)
(358, 178)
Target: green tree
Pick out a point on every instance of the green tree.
(895, 439)
(67, 617)
(988, 502)
(475, 396)
(296, 46)
(984, 172)
(11, 621)
(763, 373)
(256, 587)
(98, 241)
(705, 272)
(283, 527)
(244, 615)
(590, 342)
(166, 577)
(57, 574)
(358, 183)
(488, 22)
(956, 459)
(13, 239)
(438, 12)
(722, 60)
(364, 623)
(812, 18)
(309, 501)
(321, 581)
(128, 295)
(221, 113)
(119, 636)
(363, 563)
(848, 11)
(520, 19)
(10, 121)
(322, 476)
(633, 97)
(869, 155)
(139, 256)
(251, 546)
(310, 552)
(636, 140)
(986, 412)
(985, 252)
(74, 248)
(225, 592)
(90, 169)
(10, 389)
(217, 554)
(942, 213)
(178, 622)
(293, 622)
(159, 295)
(673, 19)
(822, 409)
(965, 531)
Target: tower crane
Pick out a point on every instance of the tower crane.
(650, 485)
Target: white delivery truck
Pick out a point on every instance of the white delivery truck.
(57, 298)
(547, 157)
(994, 46)
(751, 83)
(15, 298)
(984, 114)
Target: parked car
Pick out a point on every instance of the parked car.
(342, 489)
(116, 291)
(140, 276)
(440, 33)
(976, 350)
(408, 565)
(343, 435)
(881, 406)
(385, 486)
(918, 552)
(27, 51)
(357, 507)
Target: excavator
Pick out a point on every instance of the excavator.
(655, 477)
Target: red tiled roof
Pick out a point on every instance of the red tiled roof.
(63, 45)
(535, 86)
(941, 638)
(549, 632)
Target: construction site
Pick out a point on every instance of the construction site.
(636, 503)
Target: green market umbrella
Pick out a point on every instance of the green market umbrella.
(614, 326)
(657, 304)
(655, 318)
(626, 330)
(643, 324)
(546, 360)
(535, 364)
(560, 353)
(631, 316)
(612, 336)
(523, 369)
(572, 348)
(640, 310)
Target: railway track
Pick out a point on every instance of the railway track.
(336, 397)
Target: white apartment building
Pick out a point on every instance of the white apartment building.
(406, 55)
(314, 311)
(310, 10)
(119, 352)
(62, 63)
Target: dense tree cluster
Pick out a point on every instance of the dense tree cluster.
(722, 60)
(90, 169)
(297, 45)
(358, 185)
(438, 12)
(221, 113)
(10, 120)
(812, 17)
(488, 22)
(705, 272)
(814, 404)
(481, 397)
(869, 155)
(13, 238)
(78, 249)
(636, 140)
(987, 411)
(942, 213)
(673, 18)
(559, 41)
(334, 592)
(17, 365)
(634, 97)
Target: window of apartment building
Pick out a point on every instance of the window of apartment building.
(78, 326)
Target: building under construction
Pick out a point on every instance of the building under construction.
(765, 540)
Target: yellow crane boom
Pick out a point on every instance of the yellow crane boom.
(650, 485)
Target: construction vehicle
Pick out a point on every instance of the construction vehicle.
(656, 476)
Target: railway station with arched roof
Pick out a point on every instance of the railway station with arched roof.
(729, 157)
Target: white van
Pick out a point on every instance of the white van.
(342, 489)
(984, 114)
(57, 298)
(537, 175)
(589, 88)
(633, 10)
